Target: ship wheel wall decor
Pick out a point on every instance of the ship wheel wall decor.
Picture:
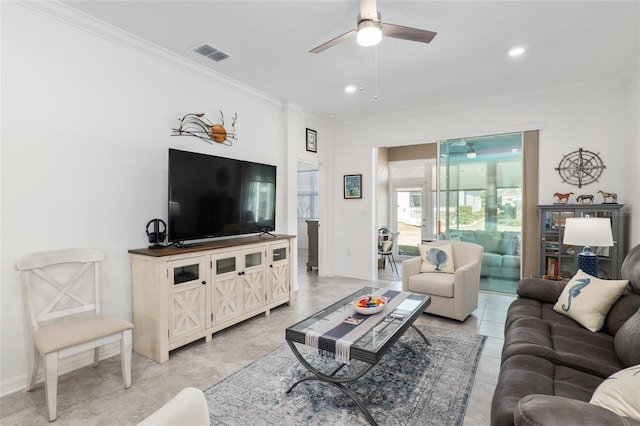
(580, 167)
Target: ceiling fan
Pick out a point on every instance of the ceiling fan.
(370, 30)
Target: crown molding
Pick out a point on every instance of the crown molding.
(89, 24)
(610, 82)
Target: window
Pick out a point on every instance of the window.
(307, 194)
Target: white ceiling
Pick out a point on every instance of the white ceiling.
(569, 44)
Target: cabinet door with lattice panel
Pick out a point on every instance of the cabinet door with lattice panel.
(253, 278)
(227, 294)
(279, 272)
(187, 312)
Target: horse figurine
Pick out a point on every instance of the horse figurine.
(563, 198)
(582, 199)
(612, 195)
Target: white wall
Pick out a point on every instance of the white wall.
(86, 126)
(296, 121)
(590, 118)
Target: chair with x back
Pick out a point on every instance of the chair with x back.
(62, 299)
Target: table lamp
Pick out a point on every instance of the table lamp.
(588, 232)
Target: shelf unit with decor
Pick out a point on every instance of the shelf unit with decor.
(559, 259)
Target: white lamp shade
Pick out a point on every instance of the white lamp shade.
(369, 33)
(588, 232)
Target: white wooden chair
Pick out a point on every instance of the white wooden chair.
(62, 299)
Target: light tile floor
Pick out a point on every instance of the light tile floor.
(95, 395)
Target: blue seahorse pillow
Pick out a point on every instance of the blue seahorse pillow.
(436, 258)
(587, 299)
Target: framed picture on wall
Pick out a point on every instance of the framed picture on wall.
(352, 186)
(312, 140)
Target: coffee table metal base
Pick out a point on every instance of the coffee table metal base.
(339, 382)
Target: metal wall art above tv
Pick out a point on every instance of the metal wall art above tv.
(211, 197)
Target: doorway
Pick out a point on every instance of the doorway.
(410, 218)
(308, 210)
(412, 206)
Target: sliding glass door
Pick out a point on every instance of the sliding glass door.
(481, 202)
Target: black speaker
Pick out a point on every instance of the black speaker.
(157, 235)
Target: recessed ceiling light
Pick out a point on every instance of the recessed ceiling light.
(515, 50)
(350, 88)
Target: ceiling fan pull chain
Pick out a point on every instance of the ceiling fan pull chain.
(375, 61)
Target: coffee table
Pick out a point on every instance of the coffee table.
(380, 332)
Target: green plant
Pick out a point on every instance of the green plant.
(466, 215)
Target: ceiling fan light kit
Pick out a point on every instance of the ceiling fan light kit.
(369, 33)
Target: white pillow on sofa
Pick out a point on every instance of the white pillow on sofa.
(436, 258)
(587, 299)
(620, 393)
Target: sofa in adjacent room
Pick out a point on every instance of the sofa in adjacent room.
(554, 369)
(501, 258)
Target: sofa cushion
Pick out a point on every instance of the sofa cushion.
(538, 288)
(571, 346)
(509, 261)
(621, 311)
(587, 299)
(432, 283)
(630, 269)
(627, 342)
(522, 375)
(490, 242)
(620, 393)
(554, 410)
(491, 264)
(437, 258)
(533, 308)
(508, 245)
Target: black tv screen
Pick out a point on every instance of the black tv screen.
(212, 196)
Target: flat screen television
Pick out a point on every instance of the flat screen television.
(212, 197)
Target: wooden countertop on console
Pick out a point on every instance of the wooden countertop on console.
(209, 245)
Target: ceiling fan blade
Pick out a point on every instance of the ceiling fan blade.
(333, 42)
(407, 33)
(369, 10)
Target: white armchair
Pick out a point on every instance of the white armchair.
(452, 295)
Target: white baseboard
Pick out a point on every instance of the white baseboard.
(65, 365)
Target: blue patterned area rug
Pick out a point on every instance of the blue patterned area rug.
(414, 384)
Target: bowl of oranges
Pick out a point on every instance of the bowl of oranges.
(368, 305)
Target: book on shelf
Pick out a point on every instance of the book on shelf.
(552, 266)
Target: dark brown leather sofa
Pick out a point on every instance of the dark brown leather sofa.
(551, 365)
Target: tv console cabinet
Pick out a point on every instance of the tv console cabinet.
(184, 294)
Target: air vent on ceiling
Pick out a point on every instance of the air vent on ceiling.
(211, 52)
